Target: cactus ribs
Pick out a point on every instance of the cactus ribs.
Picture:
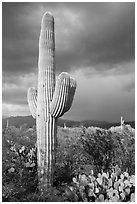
(48, 102)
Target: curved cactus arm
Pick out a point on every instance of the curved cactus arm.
(71, 94)
(60, 96)
(32, 100)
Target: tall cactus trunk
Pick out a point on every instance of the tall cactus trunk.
(49, 102)
(46, 124)
(46, 154)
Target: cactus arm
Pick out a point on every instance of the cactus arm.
(60, 96)
(71, 94)
(32, 100)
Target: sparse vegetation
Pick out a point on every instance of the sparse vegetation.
(92, 164)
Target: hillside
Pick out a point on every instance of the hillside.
(30, 121)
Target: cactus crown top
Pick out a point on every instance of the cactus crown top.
(48, 13)
(47, 18)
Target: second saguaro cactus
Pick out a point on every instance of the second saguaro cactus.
(48, 102)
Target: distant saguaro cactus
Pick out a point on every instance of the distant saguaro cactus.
(50, 101)
(122, 123)
(7, 125)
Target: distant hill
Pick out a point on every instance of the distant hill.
(17, 121)
(4, 116)
(104, 124)
(30, 121)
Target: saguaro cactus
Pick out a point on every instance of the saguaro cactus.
(49, 102)
(122, 123)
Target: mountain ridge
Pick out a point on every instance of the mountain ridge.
(17, 121)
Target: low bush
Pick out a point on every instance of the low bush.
(107, 148)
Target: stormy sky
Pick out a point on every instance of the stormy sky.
(95, 43)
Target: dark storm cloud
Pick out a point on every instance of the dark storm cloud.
(103, 98)
(14, 97)
(87, 34)
(15, 91)
(105, 37)
(19, 51)
(129, 86)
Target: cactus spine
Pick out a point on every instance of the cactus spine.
(50, 101)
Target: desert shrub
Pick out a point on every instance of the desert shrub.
(70, 156)
(124, 151)
(109, 148)
(99, 145)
